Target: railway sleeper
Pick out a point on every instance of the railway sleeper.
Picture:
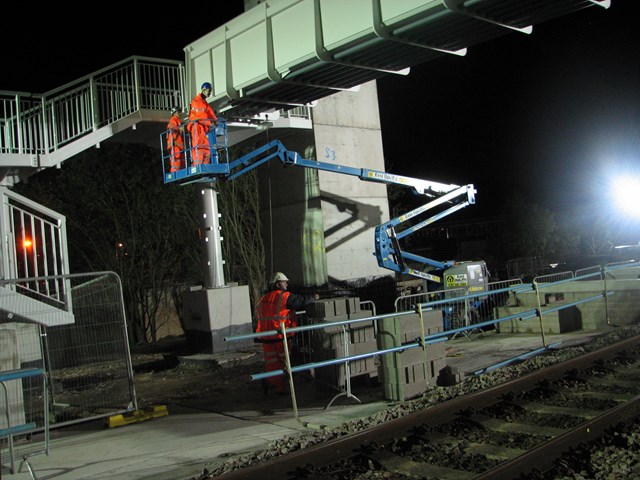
(542, 408)
(626, 377)
(616, 397)
(614, 383)
(495, 425)
(492, 452)
(403, 466)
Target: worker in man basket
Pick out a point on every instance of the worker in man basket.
(175, 140)
(202, 118)
(278, 306)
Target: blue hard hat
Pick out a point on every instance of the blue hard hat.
(206, 85)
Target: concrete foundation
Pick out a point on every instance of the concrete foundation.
(319, 225)
(210, 314)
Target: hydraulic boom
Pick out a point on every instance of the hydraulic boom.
(387, 235)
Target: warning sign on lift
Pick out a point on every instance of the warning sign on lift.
(458, 280)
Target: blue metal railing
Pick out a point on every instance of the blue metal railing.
(515, 288)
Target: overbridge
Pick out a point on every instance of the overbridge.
(268, 65)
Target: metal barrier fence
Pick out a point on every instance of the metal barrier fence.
(499, 294)
(460, 306)
(86, 360)
(89, 361)
(553, 277)
(587, 273)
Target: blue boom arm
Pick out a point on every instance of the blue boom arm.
(387, 248)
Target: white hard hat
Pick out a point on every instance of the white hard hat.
(279, 277)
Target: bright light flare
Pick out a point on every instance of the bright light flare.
(626, 193)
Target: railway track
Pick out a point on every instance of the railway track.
(514, 430)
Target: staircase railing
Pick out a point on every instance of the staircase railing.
(37, 124)
(34, 249)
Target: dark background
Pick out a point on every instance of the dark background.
(550, 115)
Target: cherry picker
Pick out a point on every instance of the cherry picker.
(387, 235)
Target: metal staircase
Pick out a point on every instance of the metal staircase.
(41, 131)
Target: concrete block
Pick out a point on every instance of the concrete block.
(335, 375)
(354, 349)
(353, 305)
(365, 347)
(321, 309)
(560, 321)
(448, 376)
(362, 332)
(408, 380)
(405, 391)
(211, 314)
(360, 314)
(411, 326)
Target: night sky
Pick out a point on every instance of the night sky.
(549, 115)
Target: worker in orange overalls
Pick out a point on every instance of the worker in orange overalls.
(278, 306)
(175, 140)
(202, 118)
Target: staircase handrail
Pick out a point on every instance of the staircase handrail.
(38, 124)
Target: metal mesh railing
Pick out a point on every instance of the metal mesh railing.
(89, 361)
(460, 306)
(553, 277)
(589, 273)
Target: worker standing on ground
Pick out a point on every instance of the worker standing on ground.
(202, 118)
(175, 140)
(278, 306)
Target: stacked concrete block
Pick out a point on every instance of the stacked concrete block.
(331, 310)
(340, 341)
(560, 321)
(407, 373)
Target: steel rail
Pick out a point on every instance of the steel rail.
(344, 447)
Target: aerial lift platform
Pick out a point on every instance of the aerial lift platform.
(448, 198)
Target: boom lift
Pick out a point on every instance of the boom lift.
(387, 235)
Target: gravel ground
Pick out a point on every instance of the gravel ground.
(616, 458)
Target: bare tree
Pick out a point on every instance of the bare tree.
(122, 218)
(243, 244)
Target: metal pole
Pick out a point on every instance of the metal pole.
(210, 227)
(539, 309)
(603, 273)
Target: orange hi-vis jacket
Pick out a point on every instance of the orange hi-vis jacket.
(201, 111)
(271, 311)
(201, 117)
(174, 138)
